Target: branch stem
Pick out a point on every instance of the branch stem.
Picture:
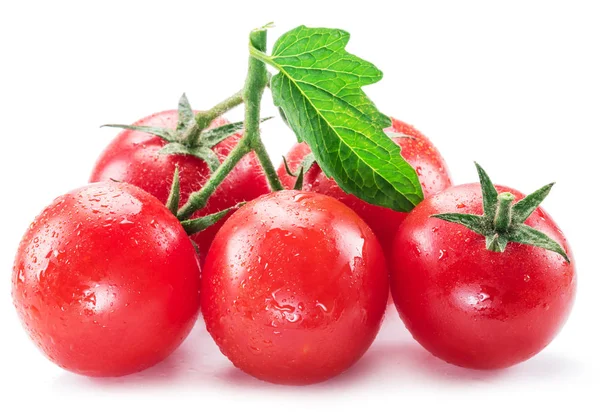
(251, 95)
(204, 118)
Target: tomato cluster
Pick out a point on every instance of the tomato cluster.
(294, 284)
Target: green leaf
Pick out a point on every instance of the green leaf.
(524, 234)
(488, 192)
(199, 224)
(470, 221)
(164, 133)
(523, 208)
(308, 161)
(185, 113)
(173, 200)
(319, 89)
(204, 153)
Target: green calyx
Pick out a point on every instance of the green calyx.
(191, 137)
(304, 166)
(193, 226)
(502, 221)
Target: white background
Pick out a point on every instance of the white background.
(513, 85)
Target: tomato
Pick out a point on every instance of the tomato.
(106, 281)
(134, 157)
(468, 305)
(417, 150)
(294, 288)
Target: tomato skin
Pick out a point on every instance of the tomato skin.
(134, 157)
(470, 306)
(418, 151)
(106, 281)
(294, 288)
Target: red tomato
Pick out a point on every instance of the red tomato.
(470, 306)
(417, 150)
(294, 288)
(106, 281)
(134, 157)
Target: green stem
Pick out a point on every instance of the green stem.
(198, 200)
(251, 95)
(253, 90)
(267, 165)
(204, 118)
(503, 212)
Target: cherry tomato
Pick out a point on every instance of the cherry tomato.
(471, 306)
(134, 157)
(106, 280)
(417, 150)
(294, 288)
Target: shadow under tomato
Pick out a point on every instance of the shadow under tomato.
(394, 360)
(189, 364)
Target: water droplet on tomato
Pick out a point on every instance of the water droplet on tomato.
(300, 197)
(292, 317)
(34, 313)
(526, 278)
(322, 307)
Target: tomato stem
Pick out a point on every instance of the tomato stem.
(204, 118)
(198, 199)
(256, 82)
(251, 95)
(502, 219)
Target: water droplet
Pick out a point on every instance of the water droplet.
(483, 297)
(526, 278)
(125, 221)
(460, 205)
(442, 254)
(34, 312)
(292, 317)
(300, 197)
(255, 350)
(322, 307)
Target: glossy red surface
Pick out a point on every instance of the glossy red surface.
(417, 150)
(106, 281)
(134, 157)
(294, 288)
(470, 306)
